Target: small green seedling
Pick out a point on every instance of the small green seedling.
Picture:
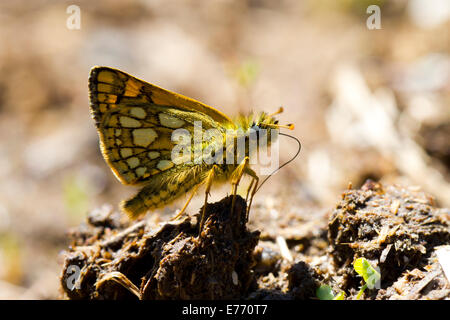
(368, 273)
(325, 293)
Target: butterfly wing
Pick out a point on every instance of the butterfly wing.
(111, 87)
(135, 121)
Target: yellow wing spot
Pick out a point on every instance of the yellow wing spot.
(130, 176)
(141, 171)
(118, 132)
(112, 121)
(106, 76)
(122, 166)
(115, 153)
(138, 112)
(143, 137)
(107, 98)
(128, 122)
(103, 107)
(109, 132)
(104, 87)
(118, 142)
(133, 162)
(153, 154)
(132, 88)
(170, 122)
(126, 152)
(164, 165)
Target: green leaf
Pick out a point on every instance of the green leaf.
(324, 293)
(358, 265)
(367, 272)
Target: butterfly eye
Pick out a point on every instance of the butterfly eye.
(276, 122)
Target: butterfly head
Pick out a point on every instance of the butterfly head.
(269, 122)
(262, 123)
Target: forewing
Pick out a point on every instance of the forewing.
(109, 87)
(135, 121)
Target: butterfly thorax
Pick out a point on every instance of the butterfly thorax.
(227, 152)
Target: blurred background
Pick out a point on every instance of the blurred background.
(367, 103)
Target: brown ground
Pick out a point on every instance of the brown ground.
(395, 228)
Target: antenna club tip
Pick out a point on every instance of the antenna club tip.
(291, 126)
(280, 110)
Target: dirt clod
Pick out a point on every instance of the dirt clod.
(302, 281)
(117, 261)
(394, 228)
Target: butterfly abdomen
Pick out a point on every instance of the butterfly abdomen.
(161, 192)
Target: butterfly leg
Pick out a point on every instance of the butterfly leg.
(255, 179)
(179, 214)
(236, 178)
(208, 181)
(248, 189)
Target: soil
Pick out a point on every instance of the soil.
(396, 229)
(175, 261)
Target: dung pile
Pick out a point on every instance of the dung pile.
(395, 228)
(118, 261)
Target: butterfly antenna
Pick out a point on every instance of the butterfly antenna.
(287, 162)
(289, 126)
(280, 110)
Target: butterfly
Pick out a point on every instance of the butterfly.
(136, 123)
